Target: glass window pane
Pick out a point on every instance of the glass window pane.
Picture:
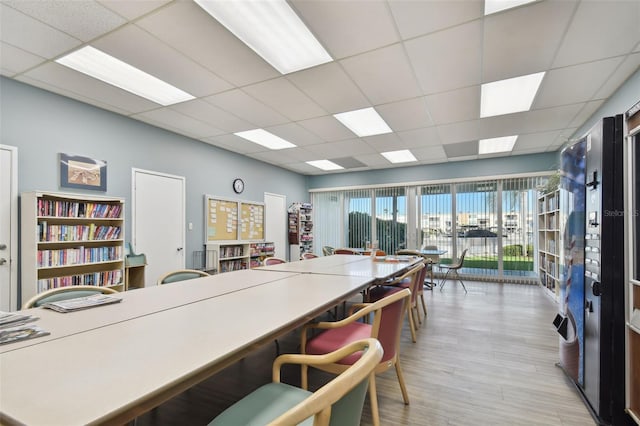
(391, 219)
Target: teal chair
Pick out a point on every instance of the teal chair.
(65, 293)
(337, 403)
(181, 275)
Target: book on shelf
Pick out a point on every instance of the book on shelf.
(80, 303)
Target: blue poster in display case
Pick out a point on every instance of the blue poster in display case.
(572, 196)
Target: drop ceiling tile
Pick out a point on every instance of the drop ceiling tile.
(235, 144)
(427, 136)
(88, 87)
(330, 87)
(16, 60)
(133, 9)
(351, 147)
(242, 105)
(348, 162)
(515, 43)
(84, 20)
(585, 113)
(525, 151)
(458, 132)
(214, 116)
(406, 115)
(449, 59)
(137, 47)
(30, 35)
(573, 84)
(502, 125)
(327, 128)
(600, 29)
(462, 149)
(536, 141)
(207, 42)
(384, 143)
(69, 94)
(182, 124)
(281, 95)
(305, 169)
(348, 27)
(300, 154)
(415, 18)
(630, 64)
(466, 158)
(550, 118)
(384, 75)
(295, 134)
(372, 160)
(278, 157)
(454, 106)
(430, 154)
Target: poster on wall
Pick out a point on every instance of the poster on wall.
(82, 172)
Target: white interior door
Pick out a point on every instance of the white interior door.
(8, 228)
(275, 207)
(158, 217)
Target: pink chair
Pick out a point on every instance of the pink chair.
(345, 251)
(272, 261)
(386, 326)
(309, 256)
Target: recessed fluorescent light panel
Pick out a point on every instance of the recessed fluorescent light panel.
(325, 165)
(495, 145)
(264, 138)
(402, 156)
(272, 29)
(509, 96)
(493, 6)
(97, 64)
(364, 122)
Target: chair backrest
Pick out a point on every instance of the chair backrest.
(433, 258)
(416, 275)
(406, 252)
(460, 260)
(378, 253)
(345, 251)
(309, 255)
(272, 261)
(327, 250)
(342, 398)
(64, 293)
(181, 275)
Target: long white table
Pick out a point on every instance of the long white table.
(138, 303)
(115, 372)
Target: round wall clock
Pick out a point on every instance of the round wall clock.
(238, 185)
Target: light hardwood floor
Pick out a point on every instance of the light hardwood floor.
(487, 357)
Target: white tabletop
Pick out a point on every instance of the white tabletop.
(347, 265)
(116, 372)
(137, 303)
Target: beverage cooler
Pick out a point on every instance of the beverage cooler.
(591, 318)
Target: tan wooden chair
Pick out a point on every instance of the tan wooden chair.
(65, 293)
(309, 256)
(271, 260)
(345, 251)
(181, 275)
(338, 402)
(388, 314)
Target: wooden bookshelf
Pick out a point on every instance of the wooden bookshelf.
(548, 242)
(300, 230)
(70, 239)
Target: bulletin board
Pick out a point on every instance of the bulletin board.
(233, 220)
(221, 219)
(251, 221)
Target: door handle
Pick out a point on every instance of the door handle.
(3, 260)
(3, 246)
(179, 248)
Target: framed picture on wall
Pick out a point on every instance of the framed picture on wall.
(82, 172)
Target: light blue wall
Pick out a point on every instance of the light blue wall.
(42, 124)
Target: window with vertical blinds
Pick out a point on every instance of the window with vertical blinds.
(492, 219)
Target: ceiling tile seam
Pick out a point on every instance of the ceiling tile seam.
(564, 36)
(415, 76)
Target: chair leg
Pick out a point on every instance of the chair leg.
(403, 387)
(304, 369)
(444, 279)
(424, 305)
(459, 279)
(373, 400)
(412, 325)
